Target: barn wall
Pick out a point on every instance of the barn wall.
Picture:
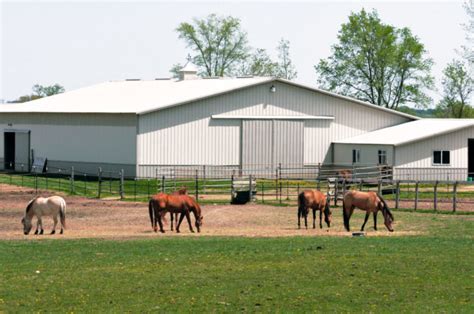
(368, 154)
(414, 160)
(186, 134)
(85, 141)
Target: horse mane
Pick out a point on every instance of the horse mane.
(30, 204)
(385, 209)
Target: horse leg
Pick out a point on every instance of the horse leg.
(375, 221)
(40, 222)
(314, 218)
(37, 226)
(306, 219)
(172, 218)
(367, 214)
(55, 219)
(181, 217)
(160, 223)
(299, 218)
(188, 218)
(321, 218)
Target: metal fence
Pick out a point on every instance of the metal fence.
(280, 188)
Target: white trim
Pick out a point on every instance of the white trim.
(16, 131)
(243, 117)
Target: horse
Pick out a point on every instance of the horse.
(371, 202)
(315, 200)
(162, 203)
(44, 206)
(193, 206)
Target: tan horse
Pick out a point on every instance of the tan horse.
(315, 200)
(371, 202)
(44, 206)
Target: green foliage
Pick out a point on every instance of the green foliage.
(259, 63)
(219, 43)
(40, 91)
(286, 69)
(458, 87)
(431, 272)
(378, 63)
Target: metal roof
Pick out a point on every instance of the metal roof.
(409, 132)
(140, 97)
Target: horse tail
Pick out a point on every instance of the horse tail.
(345, 215)
(151, 212)
(385, 207)
(62, 213)
(301, 202)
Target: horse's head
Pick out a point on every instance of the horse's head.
(388, 218)
(198, 222)
(327, 215)
(27, 225)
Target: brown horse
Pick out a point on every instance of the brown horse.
(371, 202)
(162, 203)
(315, 200)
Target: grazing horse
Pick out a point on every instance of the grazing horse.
(162, 203)
(315, 200)
(44, 206)
(371, 202)
(194, 207)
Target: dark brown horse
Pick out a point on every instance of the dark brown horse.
(315, 200)
(371, 202)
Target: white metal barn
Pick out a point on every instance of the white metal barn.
(141, 125)
(427, 149)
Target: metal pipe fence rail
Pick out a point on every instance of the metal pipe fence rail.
(277, 190)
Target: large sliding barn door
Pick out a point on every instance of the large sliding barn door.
(288, 140)
(257, 143)
(269, 143)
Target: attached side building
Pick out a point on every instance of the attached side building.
(427, 149)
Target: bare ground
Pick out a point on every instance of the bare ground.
(111, 219)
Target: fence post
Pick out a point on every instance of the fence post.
(263, 192)
(336, 191)
(85, 185)
(122, 187)
(276, 184)
(436, 195)
(204, 179)
(455, 190)
(162, 184)
(397, 196)
(416, 194)
(231, 187)
(344, 187)
(379, 186)
(59, 180)
(197, 185)
(298, 190)
(250, 188)
(99, 181)
(72, 180)
(280, 192)
(36, 183)
(135, 190)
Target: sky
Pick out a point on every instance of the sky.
(77, 44)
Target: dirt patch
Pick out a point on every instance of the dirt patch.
(111, 219)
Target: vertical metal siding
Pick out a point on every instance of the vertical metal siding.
(22, 146)
(257, 143)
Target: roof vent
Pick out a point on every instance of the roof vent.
(133, 79)
(189, 71)
(162, 79)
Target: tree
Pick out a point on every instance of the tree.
(175, 70)
(286, 69)
(218, 42)
(458, 87)
(259, 63)
(378, 63)
(40, 91)
(468, 50)
(45, 91)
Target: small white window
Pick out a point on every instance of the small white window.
(355, 156)
(382, 157)
(441, 157)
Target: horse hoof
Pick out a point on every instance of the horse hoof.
(36, 232)
(162, 231)
(53, 232)
(192, 231)
(61, 232)
(42, 231)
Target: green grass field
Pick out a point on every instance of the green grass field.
(433, 272)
